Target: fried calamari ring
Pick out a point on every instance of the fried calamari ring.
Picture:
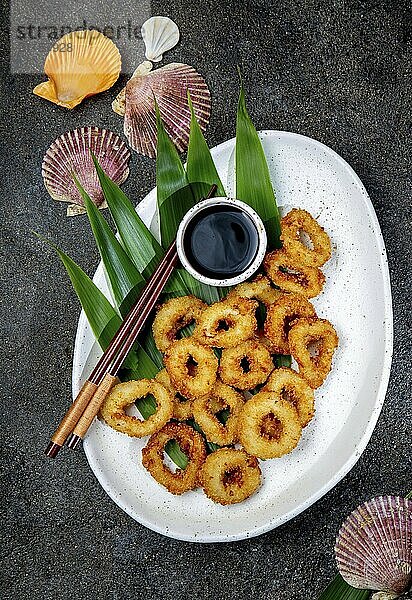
(229, 476)
(204, 412)
(113, 410)
(288, 385)
(258, 289)
(312, 344)
(268, 426)
(246, 365)
(299, 221)
(280, 316)
(226, 323)
(190, 442)
(182, 408)
(192, 368)
(284, 271)
(262, 339)
(172, 317)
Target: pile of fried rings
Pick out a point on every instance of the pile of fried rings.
(227, 367)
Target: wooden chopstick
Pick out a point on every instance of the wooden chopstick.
(112, 358)
(85, 407)
(109, 379)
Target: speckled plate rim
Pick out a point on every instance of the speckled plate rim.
(380, 395)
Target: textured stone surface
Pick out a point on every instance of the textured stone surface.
(337, 71)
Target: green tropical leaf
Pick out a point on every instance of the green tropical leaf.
(138, 241)
(123, 277)
(103, 319)
(200, 166)
(177, 455)
(151, 349)
(174, 198)
(338, 589)
(182, 280)
(147, 407)
(253, 184)
(283, 360)
(174, 195)
(144, 366)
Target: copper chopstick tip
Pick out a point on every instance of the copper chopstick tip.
(52, 450)
(212, 191)
(73, 441)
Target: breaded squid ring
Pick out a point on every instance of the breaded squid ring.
(182, 407)
(229, 476)
(292, 225)
(172, 317)
(259, 289)
(284, 271)
(190, 442)
(124, 395)
(288, 385)
(314, 363)
(262, 339)
(204, 412)
(226, 323)
(192, 368)
(268, 426)
(245, 366)
(280, 316)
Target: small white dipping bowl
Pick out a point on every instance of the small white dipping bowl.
(219, 202)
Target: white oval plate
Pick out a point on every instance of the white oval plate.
(356, 298)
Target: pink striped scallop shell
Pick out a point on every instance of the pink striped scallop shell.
(374, 546)
(70, 153)
(169, 85)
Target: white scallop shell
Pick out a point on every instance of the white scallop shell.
(159, 35)
(169, 86)
(374, 546)
(70, 153)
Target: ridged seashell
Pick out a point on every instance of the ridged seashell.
(80, 64)
(159, 35)
(70, 154)
(169, 85)
(119, 103)
(374, 546)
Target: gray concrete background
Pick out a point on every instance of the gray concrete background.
(338, 71)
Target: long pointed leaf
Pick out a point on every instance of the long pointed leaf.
(124, 279)
(138, 241)
(338, 589)
(283, 360)
(170, 174)
(200, 166)
(103, 319)
(253, 184)
(174, 198)
(144, 366)
(182, 280)
(174, 195)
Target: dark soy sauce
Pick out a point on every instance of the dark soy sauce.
(221, 242)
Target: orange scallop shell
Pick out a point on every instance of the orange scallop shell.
(80, 64)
